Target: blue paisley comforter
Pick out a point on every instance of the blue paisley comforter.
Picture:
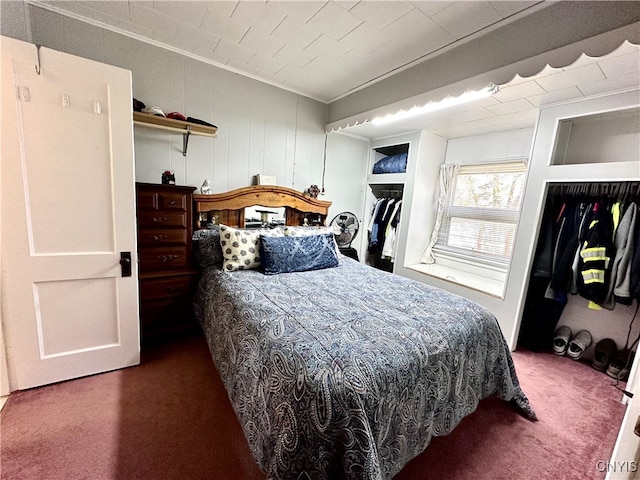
(349, 372)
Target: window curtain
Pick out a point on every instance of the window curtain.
(447, 174)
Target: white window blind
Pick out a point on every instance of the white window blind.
(482, 212)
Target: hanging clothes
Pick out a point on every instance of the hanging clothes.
(596, 254)
(589, 245)
(620, 284)
(389, 248)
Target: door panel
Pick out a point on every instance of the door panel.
(68, 210)
(63, 332)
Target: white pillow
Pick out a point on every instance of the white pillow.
(241, 247)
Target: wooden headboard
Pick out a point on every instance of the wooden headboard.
(228, 207)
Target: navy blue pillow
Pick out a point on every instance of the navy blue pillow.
(394, 164)
(297, 254)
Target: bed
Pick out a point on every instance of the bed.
(345, 371)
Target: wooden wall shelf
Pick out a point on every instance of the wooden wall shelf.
(176, 126)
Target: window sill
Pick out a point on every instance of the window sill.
(480, 283)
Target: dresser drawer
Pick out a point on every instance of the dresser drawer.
(162, 219)
(161, 288)
(169, 236)
(146, 200)
(165, 258)
(172, 201)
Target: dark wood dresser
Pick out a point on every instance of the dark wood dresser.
(166, 272)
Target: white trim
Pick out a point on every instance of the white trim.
(489, 286)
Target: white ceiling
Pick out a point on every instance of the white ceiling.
(321, 49)
(328, 49)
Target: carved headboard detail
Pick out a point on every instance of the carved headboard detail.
(228, 207)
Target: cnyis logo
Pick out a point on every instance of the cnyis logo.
(617, 467)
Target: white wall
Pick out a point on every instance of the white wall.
(466, 150)
(261, 129)
(347, 159)
(491, 147)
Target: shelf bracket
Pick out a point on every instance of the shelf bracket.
(185, 141)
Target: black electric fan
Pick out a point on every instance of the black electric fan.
(345, 227)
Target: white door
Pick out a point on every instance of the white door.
(625, 460)
(68, 211)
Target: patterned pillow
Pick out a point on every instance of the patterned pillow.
(298, 254)
(206, 247)
(241, 247)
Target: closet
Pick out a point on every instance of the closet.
(585, 166)
(565, 288)
(386, 187)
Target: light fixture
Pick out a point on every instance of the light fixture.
(468, 96)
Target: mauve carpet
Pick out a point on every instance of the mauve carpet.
(170, 418)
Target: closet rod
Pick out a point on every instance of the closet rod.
(613, 189)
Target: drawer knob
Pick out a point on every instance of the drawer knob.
(174, 288)
(167, 258)
(160, 219)
(172, 202)
(158, 238)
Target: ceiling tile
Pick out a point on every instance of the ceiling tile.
(463, 18)
(198, 38)
(296, 33)
(326, 48)
(431, 8)
(261, 42)
(299, 11)
(364, 38)
(511, 107)
(259, 15)
(622, 82)
(239, 53)
(525, 117)
(564, 79)
(266, 63)
(334, 21)
(292, 55)
(556, 96)
(214, 22)
(188, 12)
(519, 90)
(415, 24)
(621, 65)
(381, 14)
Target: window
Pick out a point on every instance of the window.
(482, 212)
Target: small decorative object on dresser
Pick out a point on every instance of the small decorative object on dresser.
(205, 189)
(168, 178)
(167, 275)
(313, 191)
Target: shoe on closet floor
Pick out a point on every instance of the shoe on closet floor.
(620, 365)
(561, 340)
(604, 353)
(579, 344)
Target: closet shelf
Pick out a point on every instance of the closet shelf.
(387, 178)
(177, 126)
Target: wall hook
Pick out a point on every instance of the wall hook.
(38, 70)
